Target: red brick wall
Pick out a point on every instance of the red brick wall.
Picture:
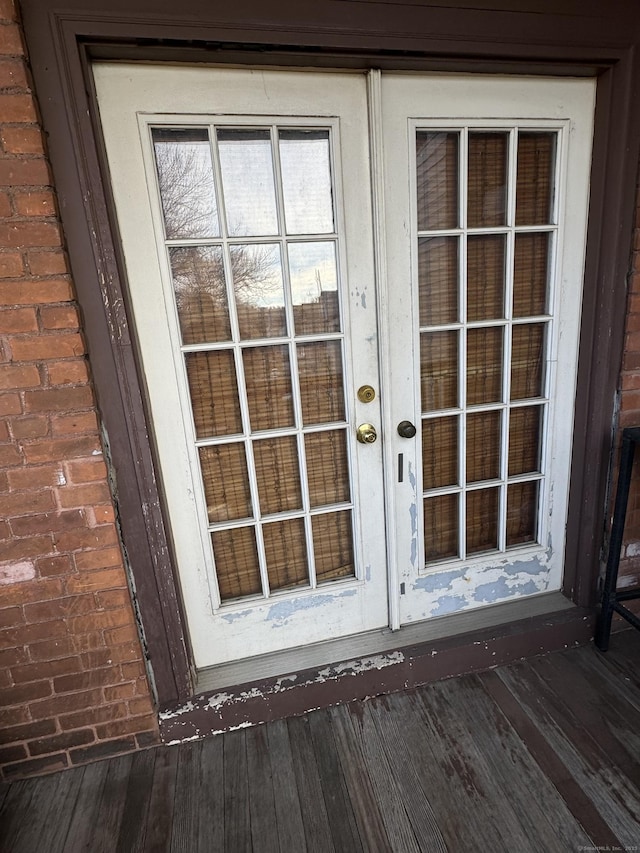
(72, 679)
(629, 574)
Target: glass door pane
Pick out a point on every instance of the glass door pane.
(251, 235)
(486, 233)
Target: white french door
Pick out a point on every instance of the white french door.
(486, 186)
(352, 371)
(254, 303)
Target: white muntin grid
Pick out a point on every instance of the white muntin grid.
(507, 323)
(290, 342)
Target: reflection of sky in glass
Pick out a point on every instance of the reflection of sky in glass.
(306, 181)
(247, 176)
(257, 274)
(185, 175)
(313, 270)
(188, 194)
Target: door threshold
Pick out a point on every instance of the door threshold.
(376, 642)
(278, 686)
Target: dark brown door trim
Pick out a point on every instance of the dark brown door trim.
(521, 38)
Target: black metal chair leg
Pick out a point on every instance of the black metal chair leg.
(630, 436)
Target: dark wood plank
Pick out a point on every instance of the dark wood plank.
(71, 782)
(344, 829)
(237, 823)
(543, 815)
(81, 831)
(592, 704)
(414, 794)
(108, 818)
(620, 698)
(264, 821)
(591, 660)
(15, 812)
(475, 792)
(616, 800)
(314, 814)
(41, 829)
(390, 803)
(133, 826)
(623, 657)
(157, 837)
(184, 830)
(620, 664)
(211, 818)
(456, 797)
(198, 811)
(285, 789)
(365, 806)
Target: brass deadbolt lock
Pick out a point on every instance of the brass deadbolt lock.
(366, 433)
(366, 394)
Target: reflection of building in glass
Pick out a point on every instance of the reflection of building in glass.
(319, 315)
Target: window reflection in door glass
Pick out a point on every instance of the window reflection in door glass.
(214, 393)
(306, 181)
(185, 177)
(256, 271)
(285, 549)
(321, 382)
(237, 563)
(264, 267)
(269, 392)
(201, 293)
(277, 474)
(327, 467)
(535, 189)
(438, 271)
(333, 546)
(527, 363)
(485, 276)
(248, 183)
(314, 287)
(531, 274)
(437, 179)
(487, 179)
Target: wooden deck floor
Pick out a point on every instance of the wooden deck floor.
(537, 756)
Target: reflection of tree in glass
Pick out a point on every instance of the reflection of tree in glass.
(256, 270)
(186, 181)
(201, 297)
(257, 275)
(199, 285)
(186, 187)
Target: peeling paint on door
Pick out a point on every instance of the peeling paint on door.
(282, 611)
(454, 590)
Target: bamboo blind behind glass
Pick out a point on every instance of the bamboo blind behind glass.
(252, 245)
(486, 233)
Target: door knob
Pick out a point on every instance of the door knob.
(406, 429)
(366, 433)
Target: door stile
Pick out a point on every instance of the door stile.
(463, 162)
(508, 336)
(390, 462)
(188, 445)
